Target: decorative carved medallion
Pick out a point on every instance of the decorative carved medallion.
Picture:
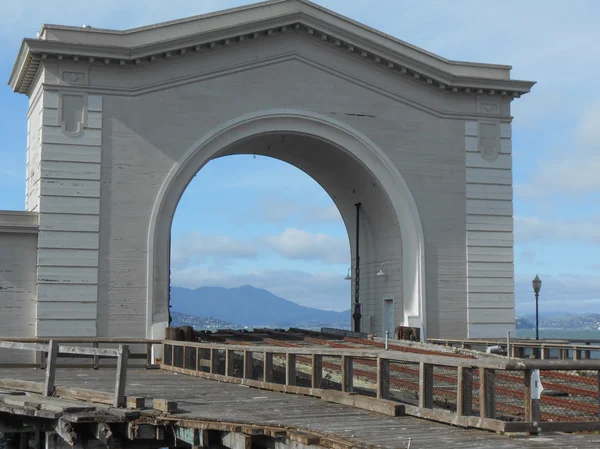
(74, 78)
(489, 141)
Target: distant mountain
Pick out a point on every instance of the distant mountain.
(200, 323)
(251, 306)
(584, 321)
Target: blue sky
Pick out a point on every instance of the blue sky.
(291, 241)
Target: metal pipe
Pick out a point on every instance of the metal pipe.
(357, 314)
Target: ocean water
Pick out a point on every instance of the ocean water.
(563, 334)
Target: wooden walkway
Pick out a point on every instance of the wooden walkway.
(206, 399)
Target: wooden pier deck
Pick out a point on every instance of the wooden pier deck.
(202, 400)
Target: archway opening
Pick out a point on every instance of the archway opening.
(352, 170)
(256, 242)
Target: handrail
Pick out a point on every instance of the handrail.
(439, 381)
(559, 344)
(399, 356)
(53, 349)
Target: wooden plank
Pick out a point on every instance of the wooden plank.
(81, 350)
(229, 362)
(293, 389)
(82, 394)
(135, 402)
(50, 368)
(487, 393)
(347, 374)
(383, 378)
(22, 385)
(317, 371)
(24, 346)
(164, 405)
(450, 359)
(464, 391)
(268, 367)
(214, 361)
(382, 406)
(248, 364)
(290, 369)
(425, 385)
(121, 376)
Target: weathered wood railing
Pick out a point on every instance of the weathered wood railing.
(52, 349)
(139, 348)
(521, 348)
(487, 392)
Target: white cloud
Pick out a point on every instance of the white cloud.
(196, 247)
(327, 291)
(560, 293)
(535, 228)
(574, 167)
(302, 245)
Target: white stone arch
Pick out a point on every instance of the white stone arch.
(299, 122)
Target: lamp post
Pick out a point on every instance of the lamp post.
(357, 315)
(537, 285)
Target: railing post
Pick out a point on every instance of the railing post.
(184, 363)
(148, 355)
(425, 385)
(527, 394)
(317, 371)
(248, 359)
(228, 362)
(487, 393)
(198, 355)
(598, 388)
(290, 369)
(464, 391)
(96, 358)
(121, 380)
(268, 367)
(576, 354)
(51, 368)
(214, 361)
(347, 374)
(383, 378)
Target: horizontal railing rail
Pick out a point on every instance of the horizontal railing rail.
(492, 392)
(53, 348)
(520, 348)
(139, 348)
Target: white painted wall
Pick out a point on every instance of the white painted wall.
(490, 240)
(18, 249)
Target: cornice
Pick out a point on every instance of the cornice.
(34, 51)
(18, 222)
(188, 79)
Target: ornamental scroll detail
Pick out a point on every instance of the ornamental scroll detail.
(489, 141)
(72, 113)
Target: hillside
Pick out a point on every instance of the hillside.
(251, 306)
(200, 323)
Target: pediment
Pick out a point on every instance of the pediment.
(147, 45)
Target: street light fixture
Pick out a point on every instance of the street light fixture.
(537, 286)
(348, 277)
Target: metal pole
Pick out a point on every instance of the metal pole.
(387, 336)
(508, 345)
(537, 336)
(357, 315)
